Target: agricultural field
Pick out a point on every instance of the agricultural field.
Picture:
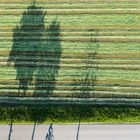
(70, 48)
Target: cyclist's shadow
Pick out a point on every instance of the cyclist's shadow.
(49, 135)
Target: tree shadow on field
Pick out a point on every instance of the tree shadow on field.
(50, 59)
(32, 52)
(84, 85)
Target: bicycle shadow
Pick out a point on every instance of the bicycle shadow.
(49, 135)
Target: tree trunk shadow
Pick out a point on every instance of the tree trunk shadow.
(78, 130)
(33, 133)
(11, 129)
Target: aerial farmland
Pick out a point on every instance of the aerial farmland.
(70, 48)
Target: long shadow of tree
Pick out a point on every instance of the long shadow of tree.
(88, 75)
(78, 130)
(31, 52)
(50, 59)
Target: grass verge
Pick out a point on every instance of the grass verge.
(68, 114)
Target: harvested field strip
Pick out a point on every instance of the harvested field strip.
(71, 34)
(77, 1)
(65, 66)
(79, 78)
(70, 73)
(80, 61)
(78, 11)
(110, 82)
(70, 6)
(84, 39)
(89, 28)
(80, 55)
(65, 93)
(70, 88)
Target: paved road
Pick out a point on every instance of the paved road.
(71, 132)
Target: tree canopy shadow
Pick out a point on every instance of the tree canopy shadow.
(84, 85)
(34, 53)
(50, 61)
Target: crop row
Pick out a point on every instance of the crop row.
(69, 6)
(73, 75)
(73, 12)
(90, 28)
(82, 39)
(71, 94)
(77, 1)
(75, 55)
(64, 81)
(78, 88)
(104, 67)
(10, 72)
(78, 61)
(86, 20)
(80, 34)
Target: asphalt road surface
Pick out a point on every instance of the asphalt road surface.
(70, 132)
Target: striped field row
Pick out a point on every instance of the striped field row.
(20, 6)
(73, 12)
(89, 28)
(78, 33)
(64, 81)
(78, 1)
(82, 39)
(79, 61)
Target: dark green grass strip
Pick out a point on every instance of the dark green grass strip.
(68, 114)
(41, 101)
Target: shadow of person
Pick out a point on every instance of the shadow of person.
(11, 129)
(27, 40)
(50, 135)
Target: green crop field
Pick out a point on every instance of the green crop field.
(70, 48)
